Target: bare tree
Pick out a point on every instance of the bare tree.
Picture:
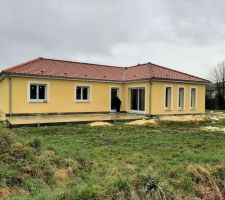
(217, 76)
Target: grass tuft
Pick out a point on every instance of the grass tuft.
(204, 183)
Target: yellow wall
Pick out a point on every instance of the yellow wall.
(4, 106)
(61, 96)
(158, 98)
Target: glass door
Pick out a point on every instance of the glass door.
(137, 99)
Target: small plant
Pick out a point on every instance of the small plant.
(148, 187)
(35, 143)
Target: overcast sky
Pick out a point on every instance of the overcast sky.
(187, 35)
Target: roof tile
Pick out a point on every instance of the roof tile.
(69, 69)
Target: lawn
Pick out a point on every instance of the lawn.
(170, 160)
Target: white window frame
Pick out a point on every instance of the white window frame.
(196, 92)
(178, 98)
(129, 99)
(171, 103)
(88, 100)
(46, 84)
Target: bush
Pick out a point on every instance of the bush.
(220, 100)
(210, 103)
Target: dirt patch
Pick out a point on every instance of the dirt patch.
(63, 173)
(4, 193)
(100, 124)
(204, 184)
(184, 118)
(142, 122)
(213, 128)
(216, 116)
(131, 167)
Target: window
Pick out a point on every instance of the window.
(193, 98)
(181, 98)
(82, 93)
(137, 100)
(168, 97)
(38, 92)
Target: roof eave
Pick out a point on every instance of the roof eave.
(55, 77)
(179, 80)
(101, 80)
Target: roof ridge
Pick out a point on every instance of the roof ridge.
(22, 64)
(70, 61)
(124, 73)
(176, 71)
(138, 65)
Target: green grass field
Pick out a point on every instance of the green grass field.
(171, 160)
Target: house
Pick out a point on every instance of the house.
(49, 86)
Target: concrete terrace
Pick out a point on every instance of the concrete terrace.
(42, 120)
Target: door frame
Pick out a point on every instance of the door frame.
(110, 96)
(129, 100)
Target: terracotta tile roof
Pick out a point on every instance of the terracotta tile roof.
(69, 69)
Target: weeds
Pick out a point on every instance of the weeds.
(150, 188)
(116, 162)
(205, 186)
(120, 189)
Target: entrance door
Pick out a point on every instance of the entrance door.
(114, 92)
(137, 99)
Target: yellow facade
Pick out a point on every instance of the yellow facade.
(61, 96)
(157, 99)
